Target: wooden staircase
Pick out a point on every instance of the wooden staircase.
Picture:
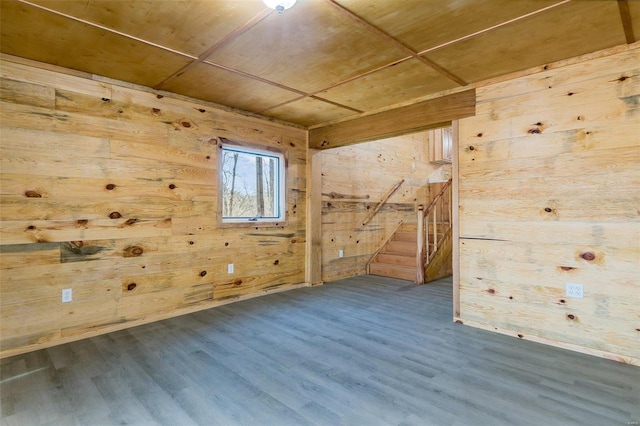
(419, 252)
(397, 258)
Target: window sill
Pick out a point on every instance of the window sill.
(253, 224)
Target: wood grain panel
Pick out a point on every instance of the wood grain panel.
(23, 72)
(278, 48)
(412, 118)
(35, 34)
(37, 143)
(559, 75)
(98, 194)
(27, 93)
(551, 231)
(231, 89)
(29, 209)
(579, 140)
(194, 26)
(40, 231)
(21, 186)
(44, 119)
(548, 174)
(309, 111)
(424, 24)
(634, 13)
(15, 256)
(539, 39)
(389, 86)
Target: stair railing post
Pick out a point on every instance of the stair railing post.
(435, 229)
(420, 246)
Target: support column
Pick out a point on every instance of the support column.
(313, 259)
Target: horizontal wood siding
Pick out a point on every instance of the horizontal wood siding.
(354, 180)
(549, 171)
(112, 191)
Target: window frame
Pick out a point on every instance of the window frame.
(257, 149)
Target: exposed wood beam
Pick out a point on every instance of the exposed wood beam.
(396, 42)
(411, 118)
(313, 257)
(455, 219)
(625, 16)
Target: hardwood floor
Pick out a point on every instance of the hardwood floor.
(361, 351)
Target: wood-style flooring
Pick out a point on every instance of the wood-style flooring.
(361, 351)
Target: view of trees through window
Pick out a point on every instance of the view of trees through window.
(250, 184)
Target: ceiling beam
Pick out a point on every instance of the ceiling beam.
(625, 16)
(394, 122)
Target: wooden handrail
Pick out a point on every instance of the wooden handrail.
(382, 202)
(422, 240)
(384, 243)
(437, 197)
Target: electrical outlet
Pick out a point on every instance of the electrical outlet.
(230, 268)
(341, 253)
(575, 290)
(66, 295)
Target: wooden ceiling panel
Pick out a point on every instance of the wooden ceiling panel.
(186, 26)
(223, 87)
(309, 111)
(634, 13)
(569, 30)
(423, 24)
(341, 51)
(389, 86)
(42, 36)
(310, 47)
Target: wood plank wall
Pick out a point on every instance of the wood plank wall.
(354, 179)
(111, 191)
(549, 171)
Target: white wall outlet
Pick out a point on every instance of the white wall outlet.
(230, 268)
(575, 290)
(66, 295)
(341, 253)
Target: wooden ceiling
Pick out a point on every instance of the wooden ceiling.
(322, 60)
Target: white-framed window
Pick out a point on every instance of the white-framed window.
(252, 183)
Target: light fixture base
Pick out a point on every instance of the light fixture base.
(279, 5)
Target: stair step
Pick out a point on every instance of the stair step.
(393, 271)
(405, 236)
(401, 247)
(396, 259)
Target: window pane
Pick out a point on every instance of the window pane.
(251, 187)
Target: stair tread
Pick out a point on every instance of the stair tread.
(394, 271)
(397, 259)
(411, 244)
(401, 248)
(405, 236)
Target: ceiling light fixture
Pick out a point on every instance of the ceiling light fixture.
(279, 5)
